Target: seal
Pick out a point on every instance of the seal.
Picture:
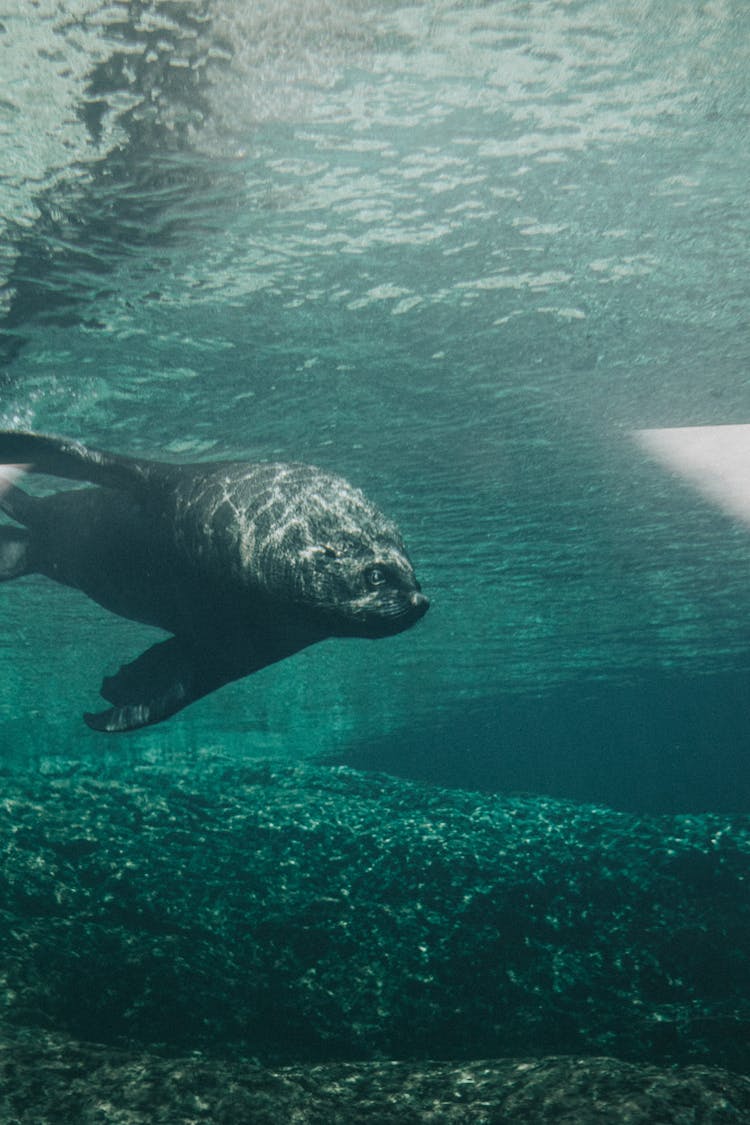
(244, 563)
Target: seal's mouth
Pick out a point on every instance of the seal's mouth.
(396, 615)
(419, 604)
(380, 616)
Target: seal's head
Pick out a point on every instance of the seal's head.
(363, 588)
(334, 554)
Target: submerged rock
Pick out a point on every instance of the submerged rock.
(46, 1079)
(305, 914)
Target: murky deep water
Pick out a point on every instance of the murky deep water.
(455, 252)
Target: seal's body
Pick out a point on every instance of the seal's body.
(243, 563)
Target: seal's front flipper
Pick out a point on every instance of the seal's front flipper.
(60, 457)
(160, 682)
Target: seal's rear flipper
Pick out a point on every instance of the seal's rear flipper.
(160, 682)
(14, 553)
(14, 543)
(8, 473)
(60, 457)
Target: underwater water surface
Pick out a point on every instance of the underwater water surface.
(456, 252)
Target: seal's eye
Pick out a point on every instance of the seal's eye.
(376, 576)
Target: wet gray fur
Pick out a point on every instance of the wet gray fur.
(243, 563)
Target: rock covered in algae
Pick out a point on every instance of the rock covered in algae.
(302, 914)
(46, 1079)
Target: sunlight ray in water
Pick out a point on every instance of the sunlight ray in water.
(715, 459)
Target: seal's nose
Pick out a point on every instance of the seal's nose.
(420, 603)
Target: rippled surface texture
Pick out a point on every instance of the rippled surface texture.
(455, 252)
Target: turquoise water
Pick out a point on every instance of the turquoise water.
(455, 252)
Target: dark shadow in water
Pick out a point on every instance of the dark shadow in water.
(138, 195)
(659, 744)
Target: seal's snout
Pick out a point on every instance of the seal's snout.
(420, 604)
